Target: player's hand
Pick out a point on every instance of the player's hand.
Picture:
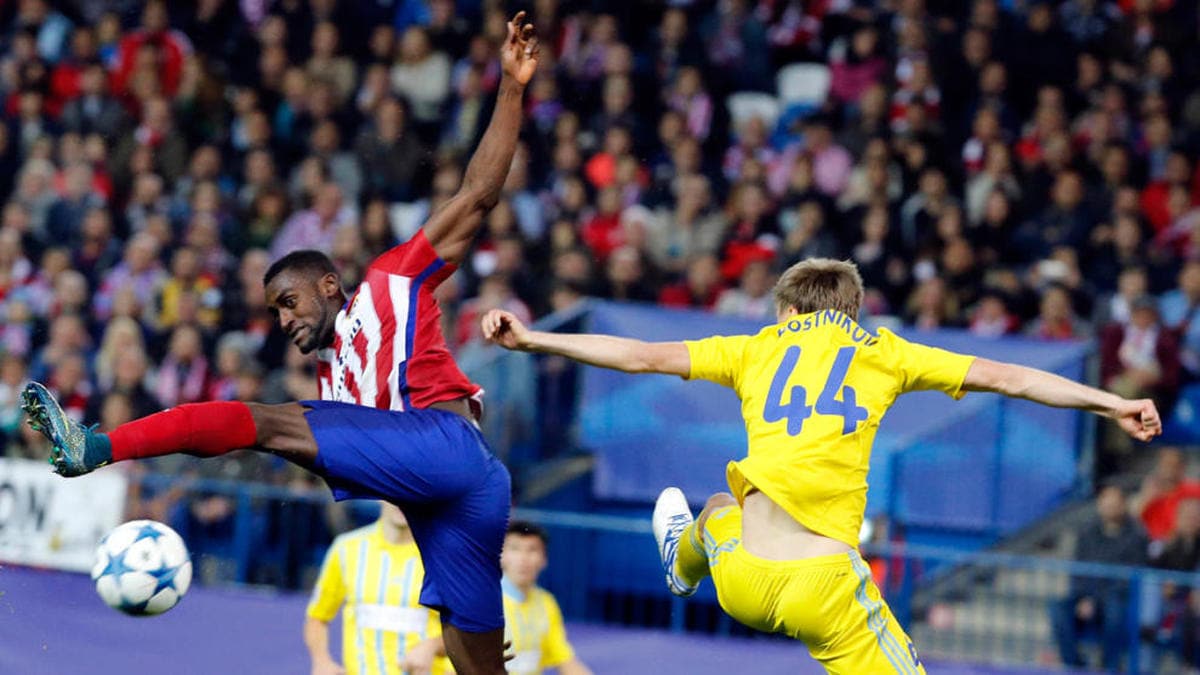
(1139, 419)
(505, 329)
(509, 654)
(419, 659)
(327, 667)
(519, 55)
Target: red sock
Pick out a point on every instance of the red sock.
(205, 429)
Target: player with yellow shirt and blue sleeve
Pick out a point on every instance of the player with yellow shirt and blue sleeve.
(782, 548)
(374, 575)
(533, 623)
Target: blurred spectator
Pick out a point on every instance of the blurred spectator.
(234, 359)
(625, 277)
(995, 175)
(920, 212)
(327, 64)
(68, 337)
(421, 75)
(1141, 359)
(855, 64)
(991, 316)
(1172, 620)
(1181, 549)
(48, 27)
(12, 381)
(752, 298)
(1064, 222)
(1099, 603)
(187, 283)
(494, 293)
(1179, 313)
(1167, 484)
(930, 306)
(688, 97)
(184, 376)
(1132, 285)
(69, 382)
(314, 227)
(736, 44)
(1056, 319)
(93, 110)
(390, 156)
(139, 271)
(700, 287)
(154, 141)
(121, 335)
(603, 233)
(805, 234)
(831, 162)
(692, 227)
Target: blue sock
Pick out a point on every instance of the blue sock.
(97, 450)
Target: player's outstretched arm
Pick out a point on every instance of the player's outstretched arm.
(606, 351)
(1138, 418)
(452, 226)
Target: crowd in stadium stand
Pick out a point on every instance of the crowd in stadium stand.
(1005, 167)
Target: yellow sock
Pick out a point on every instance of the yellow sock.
(691, 561)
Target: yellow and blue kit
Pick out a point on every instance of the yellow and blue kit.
(813, 390)
(534, 624)
(377, 584)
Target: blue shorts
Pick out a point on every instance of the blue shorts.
(436, 466)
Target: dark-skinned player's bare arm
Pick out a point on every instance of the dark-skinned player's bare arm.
(452, 227)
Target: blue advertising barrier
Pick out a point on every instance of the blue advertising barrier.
(984, 465)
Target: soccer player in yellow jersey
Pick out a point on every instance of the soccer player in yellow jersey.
(533, 622)
(782, 549)
(374, 575)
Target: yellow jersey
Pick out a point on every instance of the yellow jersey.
(377, 585)
(534, 624)
(814, 389)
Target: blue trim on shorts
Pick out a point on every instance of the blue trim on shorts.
(410, 327)
(876, 622)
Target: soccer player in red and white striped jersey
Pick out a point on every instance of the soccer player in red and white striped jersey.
(412, 440)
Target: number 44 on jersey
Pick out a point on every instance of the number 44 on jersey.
(796, 410)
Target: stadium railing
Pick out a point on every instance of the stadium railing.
(979, 607)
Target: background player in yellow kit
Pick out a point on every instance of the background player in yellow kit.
(375, 574)
(782, 548)
(533, 623)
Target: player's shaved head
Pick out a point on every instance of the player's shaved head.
(307, 262)
(820, 283)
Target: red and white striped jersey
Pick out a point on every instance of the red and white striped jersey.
(388, 351)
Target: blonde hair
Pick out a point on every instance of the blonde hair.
(820, 283)
(122, 333)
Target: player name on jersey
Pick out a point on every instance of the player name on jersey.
(824, 318)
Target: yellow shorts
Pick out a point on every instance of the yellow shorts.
(829, 602)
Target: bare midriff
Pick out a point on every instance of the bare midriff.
(772, 533)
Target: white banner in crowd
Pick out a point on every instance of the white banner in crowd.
(49, 521)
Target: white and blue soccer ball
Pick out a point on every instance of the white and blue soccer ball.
(142, 568)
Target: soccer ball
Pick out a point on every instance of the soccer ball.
(142, 568)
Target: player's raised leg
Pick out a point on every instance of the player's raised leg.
(201, 429)
(681, 539)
